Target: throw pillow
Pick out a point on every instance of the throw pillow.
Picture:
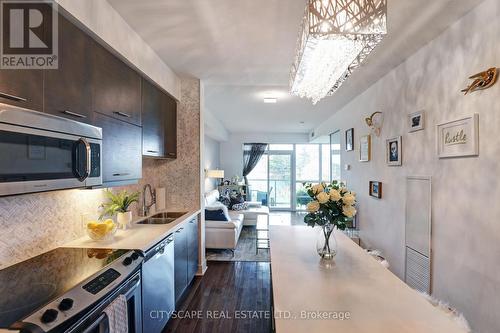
(225, 199)
(217, 206)
(237, 199)
(215, 215)
(240, 206)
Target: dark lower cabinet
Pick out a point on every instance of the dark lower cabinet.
(121, 150)
(180, 262)
(186, 257)
(22, 87)
(67, 90)
(192, 240)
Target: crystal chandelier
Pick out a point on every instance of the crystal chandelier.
(335, 38)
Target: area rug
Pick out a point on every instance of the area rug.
(245, 250)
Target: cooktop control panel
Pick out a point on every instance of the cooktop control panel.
(102, 281)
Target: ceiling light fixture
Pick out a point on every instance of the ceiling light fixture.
(270, 100)
(336, 37)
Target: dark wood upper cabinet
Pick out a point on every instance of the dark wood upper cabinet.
(153, 121)
(159, 122)
(67, 90)
(116, 88)
(170, 107)
(121, 149)
(22, 87)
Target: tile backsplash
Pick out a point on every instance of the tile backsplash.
(35, 223)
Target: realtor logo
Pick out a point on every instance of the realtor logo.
(29, 34)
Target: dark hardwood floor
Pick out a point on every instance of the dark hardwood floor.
(230, 297)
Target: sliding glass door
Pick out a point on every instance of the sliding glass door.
(277, 180)
(280, 180)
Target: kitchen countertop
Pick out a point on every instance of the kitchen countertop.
(137, 236)
(377, 301)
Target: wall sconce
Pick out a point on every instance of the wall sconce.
(217, 174)
(375, 122)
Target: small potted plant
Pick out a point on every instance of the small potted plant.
(332, 206)
(119, 204)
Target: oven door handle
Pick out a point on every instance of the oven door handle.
(82, 174)
(96, 323)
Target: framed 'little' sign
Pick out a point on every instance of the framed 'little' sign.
(458, 138)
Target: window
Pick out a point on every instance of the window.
(335, 149)
(278, 178)
(325, 163)
(307, 162)
(282, 147)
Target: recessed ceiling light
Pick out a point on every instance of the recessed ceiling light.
(270, 100)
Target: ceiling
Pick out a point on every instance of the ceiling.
(243, 50)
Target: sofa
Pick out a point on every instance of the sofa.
(225, 234)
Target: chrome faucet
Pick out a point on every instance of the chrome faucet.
(152, 194)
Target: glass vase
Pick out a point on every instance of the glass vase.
(326, 244)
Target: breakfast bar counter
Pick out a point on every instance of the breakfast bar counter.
(351, 294)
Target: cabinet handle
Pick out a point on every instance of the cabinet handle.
(180, 229)
(121, 174)
(13, 97)
(123, 114)
(171, 154)
(153, 151)
(74, 114)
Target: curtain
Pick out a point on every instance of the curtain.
(252, 152)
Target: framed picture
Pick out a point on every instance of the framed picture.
(416, 121)
(349, 139)
(458, 138)
(394, 151)
(365, 147)
(376, 189)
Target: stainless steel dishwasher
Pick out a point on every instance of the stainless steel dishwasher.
(158, 296)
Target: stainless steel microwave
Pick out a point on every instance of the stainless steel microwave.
(42, 152)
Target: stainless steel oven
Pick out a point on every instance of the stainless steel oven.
(69, 290)
(97, 321)
(42, 152)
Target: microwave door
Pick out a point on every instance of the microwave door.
(35, 160)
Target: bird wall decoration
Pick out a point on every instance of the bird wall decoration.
(483, 80)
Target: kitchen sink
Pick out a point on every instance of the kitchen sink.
(162, 218)
(167, 215)
(152, 220)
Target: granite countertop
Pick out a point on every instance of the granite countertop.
(138, 236)
(311, 295)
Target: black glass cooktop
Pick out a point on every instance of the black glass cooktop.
(29, 285)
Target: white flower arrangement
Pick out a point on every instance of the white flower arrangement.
(332, 204)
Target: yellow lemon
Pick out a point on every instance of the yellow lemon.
(101, 229)
(110, 226)
(92, 224)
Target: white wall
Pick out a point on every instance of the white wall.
(231, 151)
(212, 161)
(466, 226)
(101, 19)
(214, 127)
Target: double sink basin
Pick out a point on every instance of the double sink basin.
(162, 218)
